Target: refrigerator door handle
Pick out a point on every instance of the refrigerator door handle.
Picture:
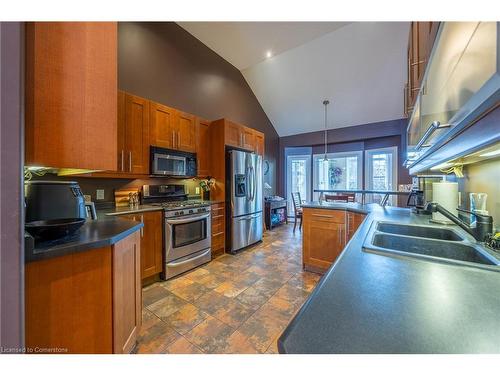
(254, 183)
(247, 183)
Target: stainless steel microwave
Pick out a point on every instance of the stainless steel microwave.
(167, 162)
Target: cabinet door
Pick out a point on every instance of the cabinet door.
(233, 134)
(323, 237)
(186, 132)
(203, 147)
(71, 89)
(354, 220)
(137, 134)
(151, 243)
(259, 143)
(127, 303)
(121, 132)
(248, 139)
(162, 125)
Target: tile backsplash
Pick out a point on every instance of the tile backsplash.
(90, 185)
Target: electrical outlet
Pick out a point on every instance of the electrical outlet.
(100, 194)
(197, 190)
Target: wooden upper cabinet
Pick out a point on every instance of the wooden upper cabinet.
(203, 147)
(172, 129)
(420, 42)
(136, 134)
(233, 134)
(248, 139)
(121, 132)
(259, 143)
(71, 90)
(186, 132)
(162, 125)
(240, 136)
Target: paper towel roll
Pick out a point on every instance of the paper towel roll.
(446, 194)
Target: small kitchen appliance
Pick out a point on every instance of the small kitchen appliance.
(172, 163)
(54, 209)
(186, 230)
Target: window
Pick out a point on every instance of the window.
(298, 171)
(341, 170)
(381, 172)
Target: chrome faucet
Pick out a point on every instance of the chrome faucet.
(483, 226)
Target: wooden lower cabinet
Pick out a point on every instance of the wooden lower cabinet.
(354, 220)
(86, 302)
(151, 242)
(127, 293)
(218, 229)
(325, 235)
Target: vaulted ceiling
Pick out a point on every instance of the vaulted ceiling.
(360, 67)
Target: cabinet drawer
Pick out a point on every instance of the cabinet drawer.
(217, 225)
(218, 241)
(319, 214)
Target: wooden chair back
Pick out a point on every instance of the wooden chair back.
(297, 202)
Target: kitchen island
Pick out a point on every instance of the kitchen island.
(373, 303)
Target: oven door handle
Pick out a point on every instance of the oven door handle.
(188, 219)
(190, 259)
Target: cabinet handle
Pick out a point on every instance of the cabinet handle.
(328, 216)
(430, 130)
(123, 161)
(418, 62)
(142, 228)
(173, 139)
(130, 161)
(244, 140)
(178, 139)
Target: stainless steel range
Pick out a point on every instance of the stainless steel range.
(187, 230)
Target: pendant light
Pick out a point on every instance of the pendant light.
(325, 103)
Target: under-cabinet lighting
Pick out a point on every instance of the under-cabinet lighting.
(491, 153)
(269, 54)
(441, 166)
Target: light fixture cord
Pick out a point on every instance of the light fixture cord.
(325, 103)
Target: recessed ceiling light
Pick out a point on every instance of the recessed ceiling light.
(269, 54)
(491, 153)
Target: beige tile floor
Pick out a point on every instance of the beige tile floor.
(234, 304)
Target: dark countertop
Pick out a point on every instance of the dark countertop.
(371, 303)
(125, 210)
(93, 234)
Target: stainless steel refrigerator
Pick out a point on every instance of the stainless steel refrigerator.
(245, 197)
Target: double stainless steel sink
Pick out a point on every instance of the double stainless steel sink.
(430, 243)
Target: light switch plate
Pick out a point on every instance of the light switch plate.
(197, 190)
(100, 194)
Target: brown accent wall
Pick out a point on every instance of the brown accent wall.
(11, 182)
(352, 138)
(163, 62)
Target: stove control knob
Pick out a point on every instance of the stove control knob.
(191, 211)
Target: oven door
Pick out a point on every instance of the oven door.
(170, 165)
(186, 235)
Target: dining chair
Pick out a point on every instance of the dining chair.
(297, 206)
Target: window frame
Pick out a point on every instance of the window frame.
(334, 155)
(394, 150)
